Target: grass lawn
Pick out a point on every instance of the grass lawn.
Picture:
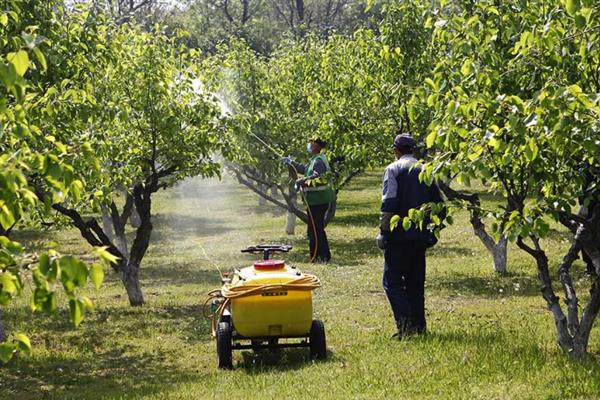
(490, 337)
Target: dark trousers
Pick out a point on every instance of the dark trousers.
(318, 216)
(404, 284)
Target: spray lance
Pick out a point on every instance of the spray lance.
(297, 187)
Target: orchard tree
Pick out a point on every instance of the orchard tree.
(521, 113)
(352, 92)
(152, 126)
(26, 50)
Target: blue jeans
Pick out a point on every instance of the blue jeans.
(404, 284)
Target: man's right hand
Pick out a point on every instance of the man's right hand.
(286, 160)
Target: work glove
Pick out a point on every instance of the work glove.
(299, 183)
(381, 241)
(286, 160)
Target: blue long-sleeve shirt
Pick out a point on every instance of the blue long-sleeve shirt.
(402, 191)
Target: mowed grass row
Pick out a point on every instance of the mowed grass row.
(490, 336)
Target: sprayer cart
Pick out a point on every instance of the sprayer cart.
(263, 307)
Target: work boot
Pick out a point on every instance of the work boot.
(404, 331)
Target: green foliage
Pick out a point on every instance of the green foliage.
(33, 161)
(353, 92)
(516, 106)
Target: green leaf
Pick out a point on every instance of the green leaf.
(572, 7)
(23, 343)
(7, 218)
(580, 21)
(6, 352)
(40, 56)
(105, 255)
(7, 283)
(97, 274)
(87, 303)
(394, 222)
(406, 223)
(13, 247)
(73, 273)
(430, 140)
(76, 311)
(19, 60)
(467, 68)
(44, 264)
(76, 188)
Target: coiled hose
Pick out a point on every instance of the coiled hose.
(229, 291)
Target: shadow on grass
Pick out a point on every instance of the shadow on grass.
(101, 365)
(367, 218)
(269, 210)
(178, 273)
(279, 360)
(443, 250)
(95, 375)
(560, 236)
(489, 287)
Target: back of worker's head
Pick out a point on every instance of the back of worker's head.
(404, 144)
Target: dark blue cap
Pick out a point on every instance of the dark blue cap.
(405, 140)
(318, 141)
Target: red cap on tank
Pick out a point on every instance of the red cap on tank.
(269, 265)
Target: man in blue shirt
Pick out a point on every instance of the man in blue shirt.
(404, 250)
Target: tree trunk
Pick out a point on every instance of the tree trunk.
(290, 226)
(131, 281)
(499, 254)
(565, 340)
(134, 218)
(121, 242)
(499, 250)
(582, 336)
(107, 223)
(261, 200)
(2, 331)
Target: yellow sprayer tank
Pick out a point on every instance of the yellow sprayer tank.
(278, 311)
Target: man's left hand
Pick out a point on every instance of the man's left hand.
(381, 241)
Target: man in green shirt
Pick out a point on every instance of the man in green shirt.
(318, 194)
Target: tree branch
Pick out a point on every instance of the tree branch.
(91, 232)
(565, 278)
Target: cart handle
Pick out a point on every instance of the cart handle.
(267, 249)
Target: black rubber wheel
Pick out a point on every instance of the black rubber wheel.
(224, 345)
(316, 340)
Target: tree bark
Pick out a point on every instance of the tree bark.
(499, 250)
(107, 223)
(131, 281)
(500, 255)
(134, 218)
(581, 340)
(565, 341)
(290, 225)
(261, 200)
